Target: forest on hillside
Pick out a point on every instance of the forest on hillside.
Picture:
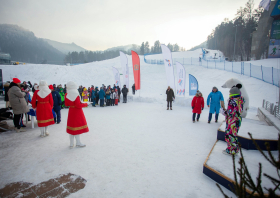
(90, 56)
(234, 37)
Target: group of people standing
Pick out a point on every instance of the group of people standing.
(106, 96)
(215, 102)
(43, 102)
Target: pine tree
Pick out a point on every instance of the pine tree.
(245, 179)
(170, 47)
(142, 48)
(146, 48)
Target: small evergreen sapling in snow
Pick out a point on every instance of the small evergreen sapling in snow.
(246, 181)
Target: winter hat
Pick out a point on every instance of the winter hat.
(198, 92)
(235, 90)
(16, 80)
(72, 91)
(50, 87)
(44, 90)
(215, 88)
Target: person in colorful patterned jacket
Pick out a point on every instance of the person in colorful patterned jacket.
(197, 105)
(233, 119)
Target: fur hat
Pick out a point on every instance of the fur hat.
(236, 89)
(71, 85)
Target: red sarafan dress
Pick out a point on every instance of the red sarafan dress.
(43, 109)
(197, 104)
(76, 123)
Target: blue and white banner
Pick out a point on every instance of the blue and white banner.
(265, 4)
(181, 79)
(117, 77)
(124, 64)
(168, 66)
(193, 85)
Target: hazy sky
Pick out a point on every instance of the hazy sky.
(101, 24)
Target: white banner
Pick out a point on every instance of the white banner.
(168, 66)
(117, 77)
(181, 79)
(265, 4)
(124, 63)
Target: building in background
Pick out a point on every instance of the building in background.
(261, 37)
(5, 59)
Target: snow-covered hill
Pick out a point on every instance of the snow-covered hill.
(153, 78)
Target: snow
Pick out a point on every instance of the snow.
(258, 130)
(223, 163)
(271, 117)
(132, 150)
(138, 149)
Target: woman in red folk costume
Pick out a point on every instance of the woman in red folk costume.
(42, 101)
(76, 123)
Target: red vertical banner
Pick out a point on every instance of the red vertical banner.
(136, 69)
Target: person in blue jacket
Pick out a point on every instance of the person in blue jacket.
(214, 99)
(101, 96)
(56, 104)
(93, 97)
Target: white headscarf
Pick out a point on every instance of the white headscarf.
(44, 90)
(72, 91)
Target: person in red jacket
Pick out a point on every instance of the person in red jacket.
(42, 101)
(76, 122)
(197, 105)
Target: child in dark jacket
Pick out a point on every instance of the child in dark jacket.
(197, 105)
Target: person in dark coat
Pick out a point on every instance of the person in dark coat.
(170, 97)
(133, 89)
(64, 89)
(124, 92)
(96, 95)
(30, 85)
(93, 97)
(56, 104)
(33, 88)
(80, 91)
(119, 92)
(6, 89)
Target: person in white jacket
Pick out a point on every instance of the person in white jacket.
(113, 97)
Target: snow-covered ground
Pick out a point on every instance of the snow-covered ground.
(138, 149)
(133, 150)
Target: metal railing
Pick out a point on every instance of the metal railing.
(266, 74)
(271, 108)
